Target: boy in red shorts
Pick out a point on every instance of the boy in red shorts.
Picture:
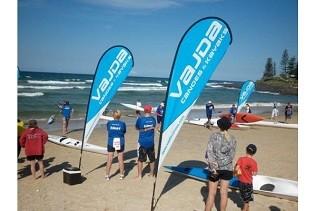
(245, 168)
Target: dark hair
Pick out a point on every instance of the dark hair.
(224, 123)
(32, 123)
(251, 149)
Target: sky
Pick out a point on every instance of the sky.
(70, 36)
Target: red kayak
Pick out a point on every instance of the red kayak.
(247, 117)
(242, 117)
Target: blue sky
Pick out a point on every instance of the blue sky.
(70, 36)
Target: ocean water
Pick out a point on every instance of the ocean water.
(39, 94)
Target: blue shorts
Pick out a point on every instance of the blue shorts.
(112, 149)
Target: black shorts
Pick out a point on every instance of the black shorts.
(34, 157)
(112, 149)
(221, 174)
(246, 192)
(143, 153)
(159, 119)
(209, 116)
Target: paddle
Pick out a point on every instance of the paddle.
(51, 119)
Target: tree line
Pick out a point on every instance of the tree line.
(288, 67)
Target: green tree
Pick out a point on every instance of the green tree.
(284, 62)
(295, 71)
(292, 66)
(274, 69)
(268, 72)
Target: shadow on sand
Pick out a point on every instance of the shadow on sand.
(49, 170)
(274, 208)
(232, 195)
(128, 166)
(175, 179)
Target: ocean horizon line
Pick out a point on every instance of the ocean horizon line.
(134, 76)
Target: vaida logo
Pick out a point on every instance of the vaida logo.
(199, 54)
(111, 72)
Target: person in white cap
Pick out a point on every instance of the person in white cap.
(209, 111)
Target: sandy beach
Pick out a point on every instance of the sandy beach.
(277, 156)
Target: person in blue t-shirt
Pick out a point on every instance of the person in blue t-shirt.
(159, 113)
(233, 112)
(116, 142)
(209, 108)
(146, 126)
(66, 111)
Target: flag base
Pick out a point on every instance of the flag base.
(72, 176)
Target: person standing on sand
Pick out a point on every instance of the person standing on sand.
(116, 142)
(275, 114)
(66, 111)
(209, 108)
(146, 126)
(20, 131)
(288, 111)
(233, 112)
(248, 109)
(33, 139)
(245, 168)
(220, 154)
(159, 113)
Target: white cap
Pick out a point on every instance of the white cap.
(209, 101)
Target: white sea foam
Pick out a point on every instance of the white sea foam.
(231, 88)
(72, 79)
(55, 82)
(202, 107)
(143, 84)
(142, 89)
(214, 85)
(33, 94)
(88, 81)
(226, 83)
(53, 87)
(267, 92)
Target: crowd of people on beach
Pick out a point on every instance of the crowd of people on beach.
(288, 112)
(220, 150)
